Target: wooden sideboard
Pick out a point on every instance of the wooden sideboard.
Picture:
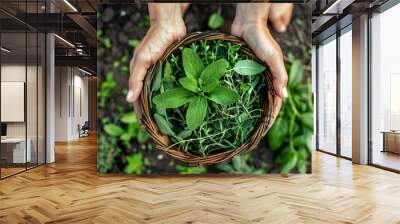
(391, 141)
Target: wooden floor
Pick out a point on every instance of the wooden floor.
(70, 191)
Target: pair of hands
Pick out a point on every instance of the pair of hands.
(250, 23)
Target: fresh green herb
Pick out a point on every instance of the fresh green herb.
(216, 20)
(207, 82)
(290, 136)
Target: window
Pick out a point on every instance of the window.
(385, 89)
(327, 96)
(346, 74)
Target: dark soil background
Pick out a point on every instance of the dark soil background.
(119, 26)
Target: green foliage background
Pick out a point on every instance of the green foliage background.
(123, 147)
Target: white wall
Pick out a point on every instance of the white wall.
(71, 94)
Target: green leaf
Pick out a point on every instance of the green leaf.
(190, 170)
(290, 164)
(189, 83)
(308, 120)
(126, 136)
(296, 73)
(185, 133)
(214, 70)
(223, 96)
(215, 21)
(134, 43)
(163, 125)
(142, 136)
(129, 118)
(285, 155)
(196, 112)
(237, 163)
(113, 130)
(192, 63)
(157, 80)
(173, 98)
(210, 85)
(277, 134)
(302, 166)
(168, 73)
(135, 164)
(248, 67)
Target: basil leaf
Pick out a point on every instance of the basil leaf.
(210, 85)
(296, 73)
(248, 67)
(173, 98)
(163, 125)
(189, 84)
(223, 96)
(113, 130)
(215, 21)
(192, 63)
(196, 112)
(157, 80)
(215, 70)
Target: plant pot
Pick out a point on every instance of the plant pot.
(164, 143)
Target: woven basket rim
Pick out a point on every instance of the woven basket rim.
(163, 142)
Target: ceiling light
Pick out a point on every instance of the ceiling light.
(5, 50)
(84, 71)
(70, 5)
(65, 41)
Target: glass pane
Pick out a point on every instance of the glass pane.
(32, 98)
(385, 86)
(346, 94)
(327, 96)
(13, 86)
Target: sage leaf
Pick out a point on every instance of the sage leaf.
(189, 83)
(223, 96)
(196, 112)
(210, 85)
(173, 98)
(168, 73)
(216, 20)
(157, 80)
(113, 130)
(163, 125)
(214, 70)
(296, 73)
(248, 67)
(192, 63)
(185, 133)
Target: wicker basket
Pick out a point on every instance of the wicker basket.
(163, 142)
